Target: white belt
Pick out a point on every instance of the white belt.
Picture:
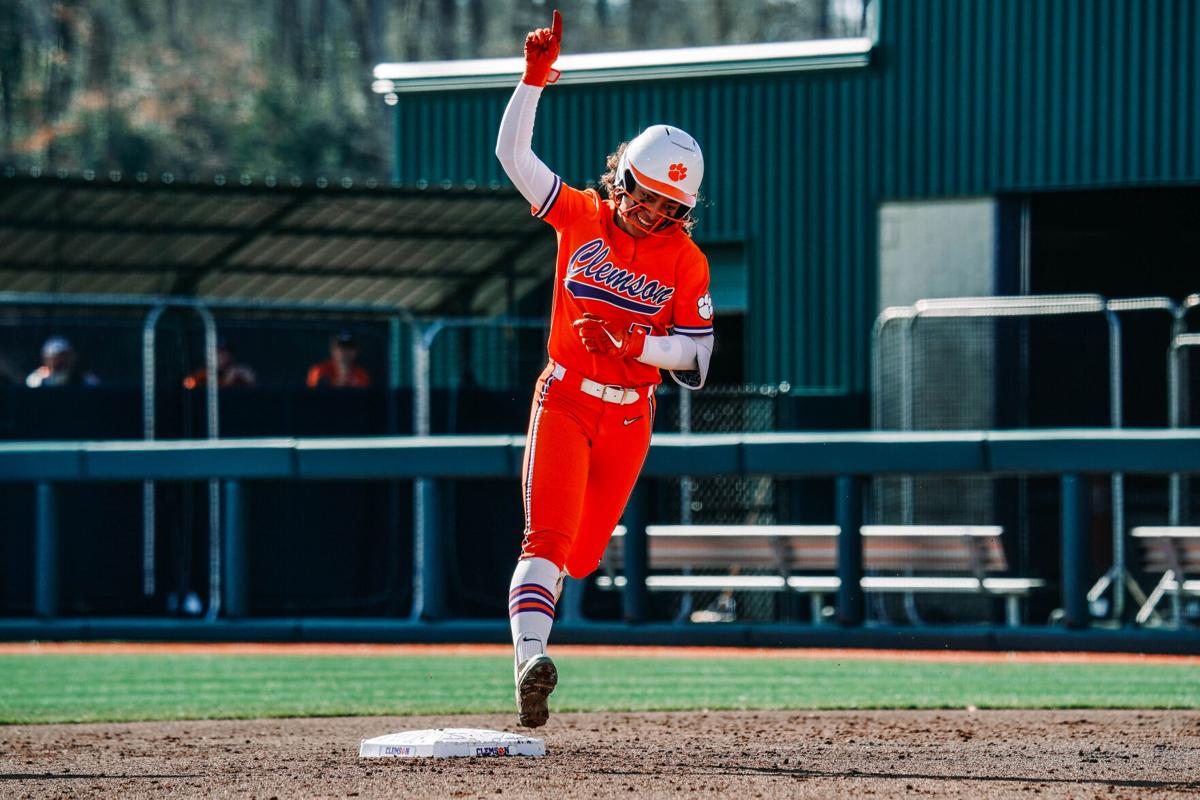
(606, 392)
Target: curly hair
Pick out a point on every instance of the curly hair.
(609, 181)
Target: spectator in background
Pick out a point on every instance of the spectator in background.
(228, 373)
(60, 367)
(341, 370)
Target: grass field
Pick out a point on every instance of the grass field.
(155, 686)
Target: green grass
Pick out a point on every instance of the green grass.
(87, 688)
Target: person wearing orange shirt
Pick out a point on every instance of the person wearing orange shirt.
(341, 370)
(630, 298)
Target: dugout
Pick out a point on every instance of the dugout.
(281, 263)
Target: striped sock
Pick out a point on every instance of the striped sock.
(531, 605)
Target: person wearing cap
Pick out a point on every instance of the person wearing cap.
(59, 367)
(228, 373)
(341, 369)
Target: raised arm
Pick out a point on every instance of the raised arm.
(533, 179)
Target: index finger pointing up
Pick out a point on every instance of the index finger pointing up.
(556, 26)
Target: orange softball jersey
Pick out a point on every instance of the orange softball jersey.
(659, 283)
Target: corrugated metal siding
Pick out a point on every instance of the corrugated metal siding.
(965, 97)
(1009, 95)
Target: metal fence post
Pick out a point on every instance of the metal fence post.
(1177, 382)
(393, 374)
(901, 315)
(1075, 550)
(149, 523)
(394, 558)
(686, 486)
(236, 572)
(1121, 576)
(850, 557)
(213, 418)
(427, 562)
(45, 571)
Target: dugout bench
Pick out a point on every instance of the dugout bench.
(1173, 553)
(897, 559)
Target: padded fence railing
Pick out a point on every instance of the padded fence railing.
(849, 457)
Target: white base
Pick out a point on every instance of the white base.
(450, 743)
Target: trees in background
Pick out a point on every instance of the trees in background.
(283, 86)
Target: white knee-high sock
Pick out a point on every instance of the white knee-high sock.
(531, 598)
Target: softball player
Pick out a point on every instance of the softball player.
(630, 297)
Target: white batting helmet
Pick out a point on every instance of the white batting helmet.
(664, 160)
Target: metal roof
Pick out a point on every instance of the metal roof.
(685, 62)
(437, 249)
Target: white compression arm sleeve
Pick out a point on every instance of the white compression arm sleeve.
(669, 352)
(686, 357)
(533, 179)
(694, 374)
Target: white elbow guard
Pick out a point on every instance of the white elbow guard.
(694, 378)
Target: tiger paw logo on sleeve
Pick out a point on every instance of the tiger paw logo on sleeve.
(704, 306)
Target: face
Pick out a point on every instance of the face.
(344, 354)
(58, 362)
(647, 209)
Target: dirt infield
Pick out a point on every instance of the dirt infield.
(744, 754)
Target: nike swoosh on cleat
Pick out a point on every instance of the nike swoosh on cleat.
(631, 421)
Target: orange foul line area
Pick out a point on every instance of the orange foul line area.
(589, 651)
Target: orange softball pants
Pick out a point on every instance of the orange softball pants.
(582, 458)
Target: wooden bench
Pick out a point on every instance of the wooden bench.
(731, 548)
(906, 559)
(912, 559)
(1173, 552)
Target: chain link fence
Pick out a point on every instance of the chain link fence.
(1031, 362)
(722, 500)
(983, 364)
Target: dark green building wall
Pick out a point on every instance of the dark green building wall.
(963, 97)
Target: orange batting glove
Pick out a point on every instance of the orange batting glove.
(541, 51)
(606, 338)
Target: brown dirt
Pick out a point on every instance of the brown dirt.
(987, 754)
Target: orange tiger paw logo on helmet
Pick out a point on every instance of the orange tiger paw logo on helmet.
(677, 172)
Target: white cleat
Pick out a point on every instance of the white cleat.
(536, 679)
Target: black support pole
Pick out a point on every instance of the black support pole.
(1075, 551)
(429, 576)
(850, 557)
(636, 557)
(45, 567)
(235, 601)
